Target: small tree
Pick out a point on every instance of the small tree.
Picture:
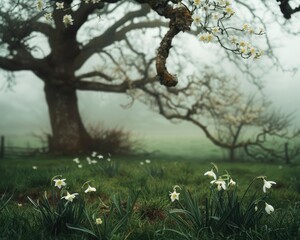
(228, 117)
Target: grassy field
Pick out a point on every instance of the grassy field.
(148, 216)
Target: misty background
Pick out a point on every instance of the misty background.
(23, 109)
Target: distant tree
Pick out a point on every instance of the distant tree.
(228, 117)
(76, 31)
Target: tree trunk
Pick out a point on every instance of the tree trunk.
(232, 154)
(69, 135)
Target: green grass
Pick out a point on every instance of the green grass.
(154, 181)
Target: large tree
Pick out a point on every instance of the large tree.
(104, 28)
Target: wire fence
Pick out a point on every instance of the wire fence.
(18, 152)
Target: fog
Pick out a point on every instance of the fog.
(23, 109)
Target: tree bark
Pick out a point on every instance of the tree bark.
(69, 135)
(232, 154)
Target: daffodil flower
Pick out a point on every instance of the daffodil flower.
(59, 183)
(211, 174)
(231, 183)
(76, 160)
(269, 208)
(174, 196)
(220, 185)
(70, 197)
(147, 161)
(90, 189)
(267, 184)
(98, 221)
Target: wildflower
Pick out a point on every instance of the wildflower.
(48, 17)
(108, 159)
(98, 221)
(94, 154)
(211, 174)
(59, 183)
(269, 208)
(90, 189)
(231, 183)
(79, 165)
(70, 197)
(220, 185)
(100, 156)
(147, 161)
(267, 184)
(94, 161)
(174, 195)
(68, 20)
(59, 5)
(256, 208)
(142, 163)
(89, 160)
(34, 167)
(40, 5)
(20, 204)
(76, 160)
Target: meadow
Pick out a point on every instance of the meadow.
(132, 198)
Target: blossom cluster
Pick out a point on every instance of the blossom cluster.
(210, 17)
(67, 18)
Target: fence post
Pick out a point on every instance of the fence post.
(2, 147)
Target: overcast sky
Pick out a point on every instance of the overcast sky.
(23, 109)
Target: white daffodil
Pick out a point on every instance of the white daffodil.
(98, 221)
(100, 156)
(220, 185)
(174, 195)
(20, 204)
(90, 189)
(59, 5)
(147, 161)
(34, 167)
(76, 160)
(267, 184)
(211, 174)
(68, 20)
(231, 183)
(108, 159)
(142, 163)
(59, 183)
(269, 208)
(94, 161)
(70, 197)
(79, 165)
(256, 208)
(94, 154)
(89, 160)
